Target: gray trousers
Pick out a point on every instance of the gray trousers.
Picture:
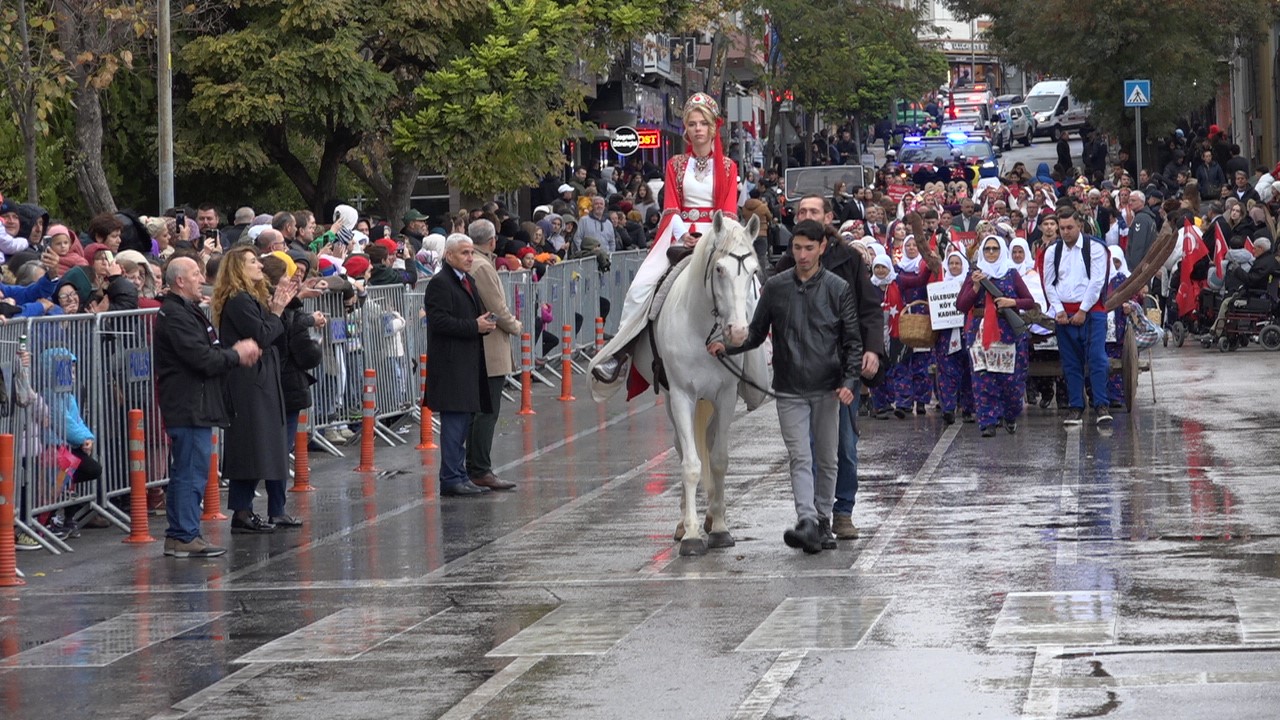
(817, 417)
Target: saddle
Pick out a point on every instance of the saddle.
(679, 257)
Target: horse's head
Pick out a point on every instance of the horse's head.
(731, 272)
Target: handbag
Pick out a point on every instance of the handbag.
(915, 329)
(1145, 332)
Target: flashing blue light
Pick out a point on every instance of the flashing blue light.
(958, 137)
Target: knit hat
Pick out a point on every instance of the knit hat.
(290, 267)
(327, 267)
(357, 265)
(389, 244)
(522, 252)
(56, 230)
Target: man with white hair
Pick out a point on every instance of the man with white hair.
(497, 356)
(1142, 233)
(457, 380)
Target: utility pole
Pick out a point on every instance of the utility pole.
(164, 100)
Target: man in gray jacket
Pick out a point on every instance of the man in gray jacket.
(1146, 223)
(817, 359)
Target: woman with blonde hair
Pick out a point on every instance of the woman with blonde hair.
(245, 307)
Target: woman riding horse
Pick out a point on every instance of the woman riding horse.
(696, 186)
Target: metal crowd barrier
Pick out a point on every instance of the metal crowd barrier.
(386, 342)
(102, 364)
(96, 367)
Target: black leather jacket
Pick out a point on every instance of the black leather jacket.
(817, 346)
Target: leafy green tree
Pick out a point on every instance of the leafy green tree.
(1180, 45)
(495, 116)
(311, 87)
(34, 77)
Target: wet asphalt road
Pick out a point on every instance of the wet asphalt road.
(1132, 573)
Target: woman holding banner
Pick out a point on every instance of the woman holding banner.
(950, 353)
(998, 355)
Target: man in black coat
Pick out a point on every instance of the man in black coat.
(457, 379)
(849, 265)
(190, 365)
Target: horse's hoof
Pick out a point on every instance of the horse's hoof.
(720, 540)
(693, 546)
(679, 534)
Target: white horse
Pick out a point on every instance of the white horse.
(713, 298)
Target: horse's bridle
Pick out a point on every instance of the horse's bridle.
(718, 328)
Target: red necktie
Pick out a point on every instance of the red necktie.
(466, 285)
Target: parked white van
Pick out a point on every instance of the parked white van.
(1055, 109)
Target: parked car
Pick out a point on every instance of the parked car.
(1004, 101)
(1014, 123)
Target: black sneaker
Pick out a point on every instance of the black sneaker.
(806, 535)
(899, 413)
(1044, 401)
(1075, 416)
(250, 524)
(1011, 426)
(968, 418)
(989, 431)
(1104, 415)
(921, 409)
(949, 418)
(828, 538)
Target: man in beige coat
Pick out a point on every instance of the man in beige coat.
(497, 355)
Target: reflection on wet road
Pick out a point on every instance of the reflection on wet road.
(1133, 572)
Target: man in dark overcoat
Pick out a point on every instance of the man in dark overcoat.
(457, 379)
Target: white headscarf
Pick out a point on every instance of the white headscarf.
(874, 246)
(1028, 260)
(1117, 253)
(910, 265)
(883, 260)
(946, 266)
(1000, 267)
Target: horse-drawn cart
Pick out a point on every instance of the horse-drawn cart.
(1130, 365)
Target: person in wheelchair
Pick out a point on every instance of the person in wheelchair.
(1251, 266)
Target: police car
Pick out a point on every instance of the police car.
(920, 149)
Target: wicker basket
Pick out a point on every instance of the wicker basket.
(915, 329)
(1155, 316)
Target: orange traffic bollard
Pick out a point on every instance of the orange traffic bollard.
(566, 365)
(426, 434)
(301, 456)
(526, 375)
(599, 334)
(137, 481)
(8, 501)
(366, 423)
(212, 492)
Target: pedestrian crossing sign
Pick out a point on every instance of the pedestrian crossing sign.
(1137, 93)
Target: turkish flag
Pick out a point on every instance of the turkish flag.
(1192, 250)
(1220, 251)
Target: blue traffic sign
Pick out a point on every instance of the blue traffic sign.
(1137, 93)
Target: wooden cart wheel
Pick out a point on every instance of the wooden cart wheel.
(1129, 368)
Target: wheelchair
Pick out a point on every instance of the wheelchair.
(1251, 316)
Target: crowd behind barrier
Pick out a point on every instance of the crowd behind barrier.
(83, 373)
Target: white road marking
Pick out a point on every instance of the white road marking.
(1069, 501)
(419, 502)
(219, 689)
(770, 687)
(885, 534)
(472, 704)
(1043, 689)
